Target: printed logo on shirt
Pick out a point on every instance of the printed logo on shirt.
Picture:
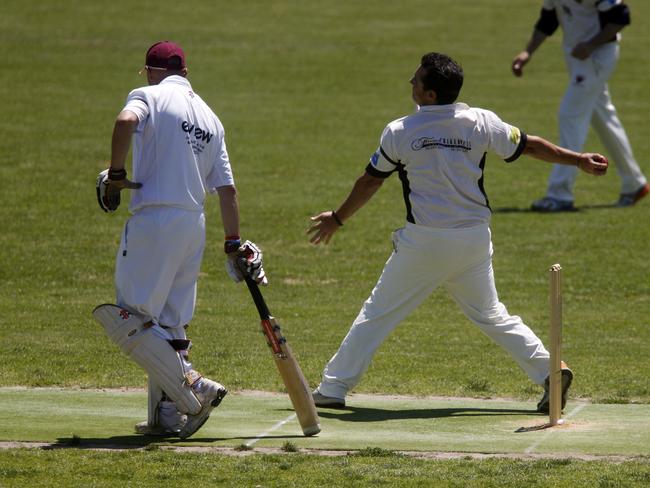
(374, 158)
(198, 133)
(450, 143)
(196, 137)
(515, 135)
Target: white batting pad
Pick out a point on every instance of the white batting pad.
(154, 395)
(151, 352)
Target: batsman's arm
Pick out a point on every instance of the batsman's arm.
(229, 205)
(125, 125)
(325, 224)
(539, 148)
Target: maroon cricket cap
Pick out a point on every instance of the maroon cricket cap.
(167, 55)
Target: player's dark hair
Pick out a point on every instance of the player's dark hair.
(442, 75)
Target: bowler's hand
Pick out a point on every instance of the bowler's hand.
(323, 227)
(519, 62)
(593, 163)
(582, 50)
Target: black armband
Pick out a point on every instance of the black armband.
(547, 22)
(619, 15)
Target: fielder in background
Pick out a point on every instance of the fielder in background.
(179, 155)
(591, 51)
(439, 154)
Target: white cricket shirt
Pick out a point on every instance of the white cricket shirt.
(179, 150)
(439, 153)
(579, 18)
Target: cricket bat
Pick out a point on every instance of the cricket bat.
(292, 376)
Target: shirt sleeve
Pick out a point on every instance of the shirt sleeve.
(605, 5)
(505, 140)
(547, 22)
(221, 174)
(384, 161)
(136, 102)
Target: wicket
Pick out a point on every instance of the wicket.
(555, 370)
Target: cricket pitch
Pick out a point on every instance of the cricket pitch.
(105, 418)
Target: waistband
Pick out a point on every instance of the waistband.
(424, 229)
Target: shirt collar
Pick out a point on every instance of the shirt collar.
(441, 108)
(177, 79)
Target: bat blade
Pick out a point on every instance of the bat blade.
(296, 384)
(290, 372)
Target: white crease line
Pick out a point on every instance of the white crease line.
(549, 431)
(275, 427)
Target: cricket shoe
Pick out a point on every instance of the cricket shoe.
(170, 421)
(629, 199)
(143, 428)
(567, 378)
(321, 400)
(550, 205)
(209, 393)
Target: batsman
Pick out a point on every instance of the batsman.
(179, 156)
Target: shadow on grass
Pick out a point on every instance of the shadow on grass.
(599, 206)
(362, 414)
(137, 441)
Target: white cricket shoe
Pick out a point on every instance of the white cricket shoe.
(209, 393)
(321, 400)
(170, 421)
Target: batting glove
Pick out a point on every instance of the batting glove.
(108, 202)
(109, 185)
(246, 261)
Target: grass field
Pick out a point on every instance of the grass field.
(304, 90)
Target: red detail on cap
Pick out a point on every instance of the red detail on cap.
(165, 54)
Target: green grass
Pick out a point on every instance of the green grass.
(304, 90)
(369, 468)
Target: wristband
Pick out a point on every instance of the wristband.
(116, 174)
(336, 219)
(231, 245)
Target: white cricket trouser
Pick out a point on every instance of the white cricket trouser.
(586, 101)
(158, 264)
(461, 261)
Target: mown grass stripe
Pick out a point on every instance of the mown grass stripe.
(272, 429)
(549, 432)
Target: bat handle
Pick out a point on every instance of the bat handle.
(262, 308)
